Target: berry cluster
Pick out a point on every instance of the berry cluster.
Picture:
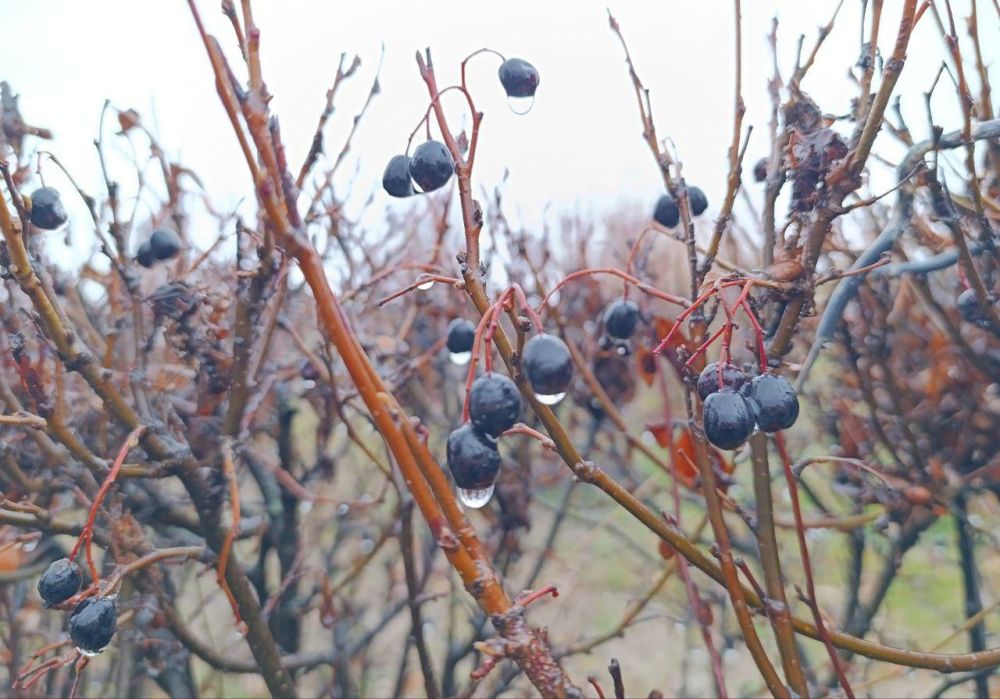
(93, 621)
(736, 405)
(163, 244)
(431, 165)
(668, 214)
(47, 210)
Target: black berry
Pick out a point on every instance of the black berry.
(620, 318)
(773, 401)
(164, 243)
(396, 178)
(461, 335)
(971, 310)
(708, 380)
(47, 210)
(666, 212)
(697, 200)
(547, 364)
(727, 418)
(760, 170)
(431, 165)
(518, 77)
(144, 255)
(60, 581)
(473, 461)
(494, 404)
(92, 623)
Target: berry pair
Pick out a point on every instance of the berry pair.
(473, 458)
(668, 214)
(430, 167)
(734, 407)
(162, 245)
(92, 623)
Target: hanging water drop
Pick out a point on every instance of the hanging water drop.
(460, 358)
(426, 285)
(552, 399)
(521, 105)
(475, 498)
(89, 653)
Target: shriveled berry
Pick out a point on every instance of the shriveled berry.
(708, 379)
(474, 462)
(461, 335)
(518, 77)
(144, 255)
(760, 170)
(164, 243)
(494, 404)
(92, 624)
(431, 165)
(666, 212)
(60, 581)
(396, 178)
(47, 210)
(620, 318)
(773, 401)
(697, 200)
(727, 418)
(547, 364)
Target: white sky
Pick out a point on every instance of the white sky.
(580, 146)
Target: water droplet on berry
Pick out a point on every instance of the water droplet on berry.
(89, 653)
(622, 350)
(521, 105)
(460, 358)
(475, 498)
(552, 399)
(426, 285)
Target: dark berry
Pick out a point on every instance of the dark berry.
(396, 178)
(666, 212)
(60, 581)
(518, 77)
(431, 166)
(547, 364)
(144, 255)
(164, 243)
(727, 418)
(474, 462)
(971, 310)
(708, 380)
(47, 210)
(697, 200)
(620, 318)
(461, 335)
(494, 404)
(760, 170)
(773, 401)
(92, 623)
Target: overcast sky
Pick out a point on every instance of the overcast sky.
(580, 146)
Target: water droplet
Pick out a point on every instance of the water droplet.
(89, 653)
(460, 358)
(426, 285)
(343, 508)
(521, 105)
(305, 506)
(367, 546)
(622, 350)
(242, 629)
(552, 399)
(475, 498)
(29, 546)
